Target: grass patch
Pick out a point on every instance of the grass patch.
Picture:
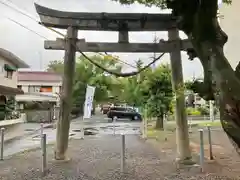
(212, 124)
(153, 133)
(159, 135)
(156, 134)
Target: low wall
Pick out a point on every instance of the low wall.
(6, 123)
(13, 128)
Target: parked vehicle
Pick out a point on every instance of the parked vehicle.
(105, 108)
(122, 112)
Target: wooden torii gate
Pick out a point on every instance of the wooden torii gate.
(123, 23)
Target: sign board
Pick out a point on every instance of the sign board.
(88, 101)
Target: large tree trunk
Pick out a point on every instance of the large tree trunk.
(159, 123)
(227, 83)
(198, 19)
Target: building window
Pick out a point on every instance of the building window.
(9, 71)
(46, 89)
(33, 89)
(9, 74)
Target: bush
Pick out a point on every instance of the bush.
(193, 112)
(203, 110)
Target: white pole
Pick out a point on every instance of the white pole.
(114, 124)
(145, 127)
(190, 124)
(211, 111)
(54, 112)
(41, 133)
(82, 128)
(41, 129)
(164, 127)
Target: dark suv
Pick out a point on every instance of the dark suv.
(122, 112)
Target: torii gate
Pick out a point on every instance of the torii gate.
(123, 23)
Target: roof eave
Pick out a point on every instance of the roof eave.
(13, 58)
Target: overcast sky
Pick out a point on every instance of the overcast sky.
(29, 46)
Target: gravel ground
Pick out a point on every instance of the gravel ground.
(99, 159)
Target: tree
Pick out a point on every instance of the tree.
(150, 89)
(199, 21)
(159, 89)
(133, 86)
(56, 66)
(87, 73)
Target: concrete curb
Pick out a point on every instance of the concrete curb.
(7, 141)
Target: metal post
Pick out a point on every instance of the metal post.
(211, 110)
(41, 129)
(190, 125)
(44, 153)
(145, 127)
(122, 153)
(164, 127)
(144, 123)
(2, 143)
(82, 128)
(41, 132)
(210, 143)
(142, 129)
(201, 150)
(114, 124)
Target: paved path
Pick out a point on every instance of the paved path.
(99, 159)
(21, 130)
(98, 124)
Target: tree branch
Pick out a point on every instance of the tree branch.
(121, 74)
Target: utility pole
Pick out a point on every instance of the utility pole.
(183, 148)
(154, 53)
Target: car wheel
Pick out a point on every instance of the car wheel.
(135, 118)
(114, 118)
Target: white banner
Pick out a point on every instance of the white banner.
(88, 101)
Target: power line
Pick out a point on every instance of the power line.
(51, 29)
(79, 50)
(29, 16)
(17, 9)
(26, 28)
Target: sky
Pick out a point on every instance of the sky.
(30, 47)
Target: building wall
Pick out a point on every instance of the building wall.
(230, 23)
(55, 85)
(36, 96)
(6, 81)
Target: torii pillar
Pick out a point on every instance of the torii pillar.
(63, 123)
(182, 137)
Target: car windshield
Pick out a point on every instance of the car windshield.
(131, 110)
(118, 109)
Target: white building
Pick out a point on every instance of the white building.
(39, 86)
(9, 64)
(230, 23)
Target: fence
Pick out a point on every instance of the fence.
(42, 116)
(196, 118)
